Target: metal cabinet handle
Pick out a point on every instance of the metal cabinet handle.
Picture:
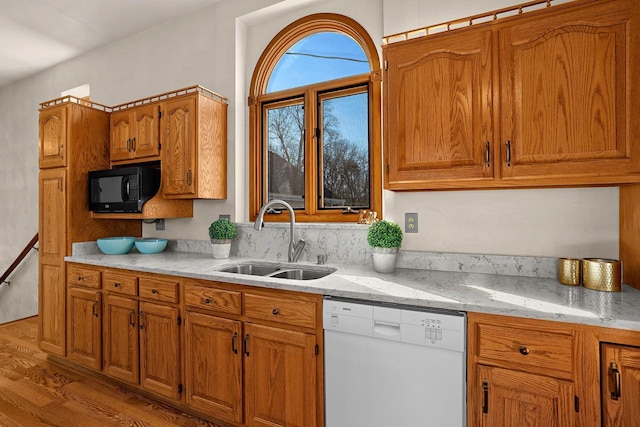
(80, 278)
(94, 309)
(485, 397)
(141, 317)
(207, 301)
(615, 394)
(234, 347)
(487, 159)
(116, 284)
(154, 291)
(246, 345)
(133, 144)
(132, 318)
(189, 177)
(524, 350)
(508, 153)
(129, 144)
(275, 311)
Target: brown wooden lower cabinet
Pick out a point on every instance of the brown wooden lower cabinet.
(51, 312)
(160, 366)
(197, 345)
(84, 314)
(522, 372)
(620, 374)
(213, 366)
(120, 344)
(512, 398)
(142, 344)
(280, 387)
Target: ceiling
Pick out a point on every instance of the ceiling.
(37, 34)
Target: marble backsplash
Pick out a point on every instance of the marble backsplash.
(347, 244)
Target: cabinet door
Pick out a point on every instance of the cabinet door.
(52, 217)
(52, 132)
(213, 366)
(160, 349)
(51, 252)
(620, 373)
(565, 102)
(511, 398)
(84, 345)
(178, 137)
(120, 135)
(146, 122)
(280, 377)
(51, 309)
(120, 343)
(439, 111)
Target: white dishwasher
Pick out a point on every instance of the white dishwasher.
(393, 366)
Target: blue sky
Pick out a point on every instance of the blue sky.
(321, 57)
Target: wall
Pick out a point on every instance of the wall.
(218, 48)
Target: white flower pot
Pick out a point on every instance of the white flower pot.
(384, 259)
(220, 248)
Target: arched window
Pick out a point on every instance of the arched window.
(315, 121)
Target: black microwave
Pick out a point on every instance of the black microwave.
(123, 189)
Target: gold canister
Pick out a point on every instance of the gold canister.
(569, 271)
(601, 274)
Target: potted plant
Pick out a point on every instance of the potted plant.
(222, 231)
(385, 237)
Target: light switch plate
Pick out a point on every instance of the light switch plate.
(160, 224)
(410, 222)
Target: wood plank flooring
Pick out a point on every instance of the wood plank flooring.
(35, 392)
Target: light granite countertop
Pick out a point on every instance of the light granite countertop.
(531, 297)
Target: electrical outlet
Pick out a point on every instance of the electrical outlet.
(225, 216)
(410, 222)
(160, 224)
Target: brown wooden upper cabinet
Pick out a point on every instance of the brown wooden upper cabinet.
(194, 148)
(135, 134)
(544, 98)
(186, 130)
(52, 129)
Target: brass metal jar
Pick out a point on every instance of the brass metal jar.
(569, 271)
(601, 274)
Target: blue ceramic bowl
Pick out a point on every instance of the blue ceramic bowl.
(150, 246)
(116, 245)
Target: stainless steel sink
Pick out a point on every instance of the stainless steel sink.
(301, 274)
(252, 269)
(279, 271)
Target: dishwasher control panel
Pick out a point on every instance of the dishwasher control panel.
(414, 326)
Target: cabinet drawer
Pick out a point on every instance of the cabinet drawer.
(120, 283)
(221, 300)
(534, 348)
(159, 290)
(79, 276)
(283, 310)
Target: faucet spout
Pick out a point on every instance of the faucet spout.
(295, 247)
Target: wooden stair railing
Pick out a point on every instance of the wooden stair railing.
(25, 251)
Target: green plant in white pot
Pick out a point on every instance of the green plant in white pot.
(222, 231)
(385, 238)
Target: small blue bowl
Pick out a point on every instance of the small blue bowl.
(151, 246)
(116, 245)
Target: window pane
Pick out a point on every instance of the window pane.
(318, 58)
(345, 151)
(285, 145)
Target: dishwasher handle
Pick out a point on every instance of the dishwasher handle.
(386, 330)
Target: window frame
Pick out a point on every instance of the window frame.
(258, 97)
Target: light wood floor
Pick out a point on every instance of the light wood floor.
(35, 392)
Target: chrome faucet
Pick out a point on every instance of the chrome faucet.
(295, 248)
